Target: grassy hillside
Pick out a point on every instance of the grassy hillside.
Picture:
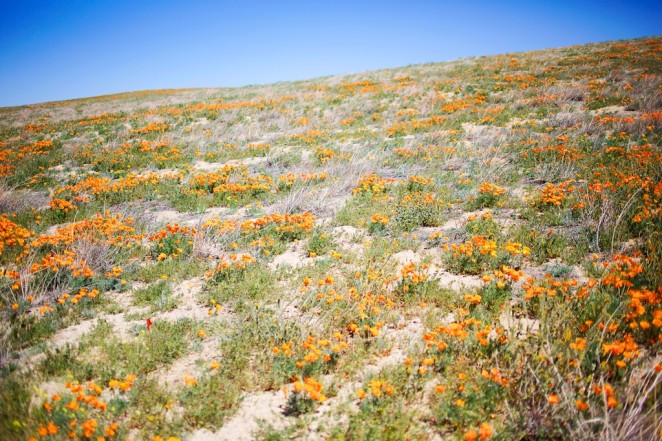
(464, 250)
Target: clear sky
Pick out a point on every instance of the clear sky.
(54, 50)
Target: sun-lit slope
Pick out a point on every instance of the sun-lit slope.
(465, 250)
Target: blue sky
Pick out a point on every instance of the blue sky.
(54, 50)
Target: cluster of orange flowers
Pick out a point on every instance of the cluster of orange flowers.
(419, 182)
(104, 118)
(288, 180)
(216, 107)
(621, 270)
(522, 81)
(372, 183)
(152, 128)
(491, 189)
(324, 155)
(368, 307)
(106, 230)
(259, 148)
(62, 205)
(478, 246)
(129, 155)
(82, 293)
(7, 165)
(313, 351)
(133, 180)
(171, 230)
(207, 181)
(516, 248)
(12, 234)
(406, 112)
(558, 152)
(629, 170)
(310, 388)
(645, 314)
(347, 121)
(495, 376)
(38, 148)
(425, 201)
(438, 340)
(485, 431)
(12, 275)
(404, 127)
(365, 86)
(381, 219)
(569, 288)
(627, 349)
(222, 183)
(229, 263)
(463, 103)
(503, 277)
(85, 411)
(413, 274)
(249, 184)
(286, 224)
(173, 240)
(555, 194)
(58, 261)
(94, 184)
(377, 389)
(310, 137)
(103, 228)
